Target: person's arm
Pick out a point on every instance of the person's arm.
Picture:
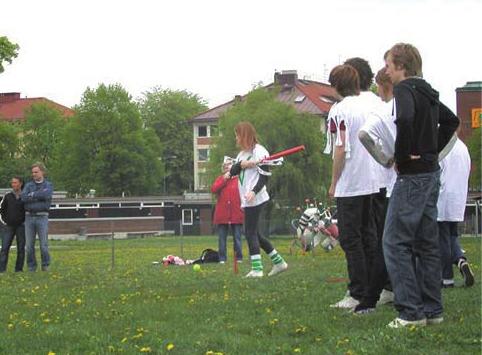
(219, 183)
(446, 150)
(374, 149)
(262, 180)
(448, 123)
(405, 107)
(235, 169)
(26, 195)
(3, 208)
(44, 194)
(338, 164)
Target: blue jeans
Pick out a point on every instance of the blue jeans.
(450, 251)
(37, 224)
(223, 230)
(411, 246)
(8, 233)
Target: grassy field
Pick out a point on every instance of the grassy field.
(82, 307)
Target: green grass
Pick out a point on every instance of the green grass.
(82, 307)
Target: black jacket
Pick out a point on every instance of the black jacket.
(12, 212)
(424, 126)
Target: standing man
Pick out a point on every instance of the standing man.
(37, 196)
(454, 179)
(12, 216)
(411, 246)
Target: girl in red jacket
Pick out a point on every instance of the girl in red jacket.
(228, 213)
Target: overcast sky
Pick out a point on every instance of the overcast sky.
(218, 49)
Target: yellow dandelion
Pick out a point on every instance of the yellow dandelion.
(78, 301)
(146, 349)
(51, 353)
(297, 350)
(10, 326)
(170, 346)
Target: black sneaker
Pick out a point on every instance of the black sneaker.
(363, 309)
(466, 273)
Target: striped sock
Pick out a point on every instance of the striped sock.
(256, 263)
(275, 257)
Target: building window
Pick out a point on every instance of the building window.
(202, 131)
(202, 154)
(202, 181)
(187, 217)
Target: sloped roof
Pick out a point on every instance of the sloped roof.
(306, 96)
(15, 110)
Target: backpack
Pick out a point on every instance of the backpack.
(208, 256)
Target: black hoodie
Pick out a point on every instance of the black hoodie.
(424, 126)
(12, 212)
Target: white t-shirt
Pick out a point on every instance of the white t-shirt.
(248, 178)
(454, 180)
(381, 128)
(360, 173)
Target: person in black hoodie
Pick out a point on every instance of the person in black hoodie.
(12, 217)
(411, 246)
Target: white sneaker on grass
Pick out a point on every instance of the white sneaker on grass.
(277, 268)
(435, 320)
(347, 302)
(385, 297)
(254, 274)
(402, 323)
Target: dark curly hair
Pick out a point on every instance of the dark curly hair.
(364, 72)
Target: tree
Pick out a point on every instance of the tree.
(108, 148)
(42, 131)
(167, 113)
(11, 163)
(8, 51)
(279, 127)
(474, 146)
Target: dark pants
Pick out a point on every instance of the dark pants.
(358, 240)
(411, 246)
(223, 231)
(378, 272)
(9, 232)
(450, 251)
(253, 237)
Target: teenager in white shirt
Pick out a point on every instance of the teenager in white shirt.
(354, 180)
(252, 190)
(454, 178)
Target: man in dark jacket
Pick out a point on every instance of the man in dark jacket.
(12, 217)
(411, 246)
(37, 196)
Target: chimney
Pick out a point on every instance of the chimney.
(287, 78)
(7, 97)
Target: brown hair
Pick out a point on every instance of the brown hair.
(365, 74)
(407, 57)
(345, 80)
(246, 134)
(382, 77)
(39, 165)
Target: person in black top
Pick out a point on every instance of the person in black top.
(12, 217)
(410, 238)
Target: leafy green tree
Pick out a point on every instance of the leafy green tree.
(8, 51)
(474, 144)
(279, 126)
(11, 163)
(42, 131)
(167, 112)
(106, 147)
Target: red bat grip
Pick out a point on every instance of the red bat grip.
(286, 152)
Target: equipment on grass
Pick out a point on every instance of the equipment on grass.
(316, 226)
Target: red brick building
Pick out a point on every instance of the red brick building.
(306, 96)
(13, 107)
(469, 108)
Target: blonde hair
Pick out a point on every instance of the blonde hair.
(407, 57)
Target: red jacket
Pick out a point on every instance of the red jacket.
(228, 207)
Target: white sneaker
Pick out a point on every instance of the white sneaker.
(277, 268)
(401, 323)
(222, 262)
(254, 274)
(385, 297)
(347, 302)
